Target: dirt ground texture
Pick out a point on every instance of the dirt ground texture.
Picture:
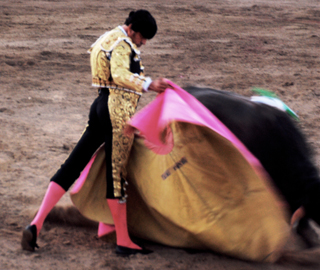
(45, 96)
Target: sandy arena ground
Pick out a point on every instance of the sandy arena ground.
(45, 95)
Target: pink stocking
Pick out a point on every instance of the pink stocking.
(52, 196)
(105, 229)
(119, 215)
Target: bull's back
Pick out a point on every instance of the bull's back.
(247, 120)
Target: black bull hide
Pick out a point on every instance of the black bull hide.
(274, 139)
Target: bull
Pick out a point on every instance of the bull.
(273, 137)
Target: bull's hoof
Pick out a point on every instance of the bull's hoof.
(29, 238)
(308, 234)
(125, 251)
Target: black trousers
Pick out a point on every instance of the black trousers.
(97, 132)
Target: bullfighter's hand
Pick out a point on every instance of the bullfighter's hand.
(159, 85)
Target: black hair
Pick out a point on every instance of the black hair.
(142, 22)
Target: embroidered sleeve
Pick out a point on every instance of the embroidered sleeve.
(120, 68)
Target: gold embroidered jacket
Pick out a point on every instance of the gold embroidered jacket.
(115, 62)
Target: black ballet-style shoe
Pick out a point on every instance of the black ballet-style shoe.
(29, 238)
(125, 251)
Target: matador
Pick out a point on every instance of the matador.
(118, 74)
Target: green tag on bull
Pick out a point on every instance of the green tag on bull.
(273, 97)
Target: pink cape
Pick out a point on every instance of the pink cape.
(226, 203)
(176, 105)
